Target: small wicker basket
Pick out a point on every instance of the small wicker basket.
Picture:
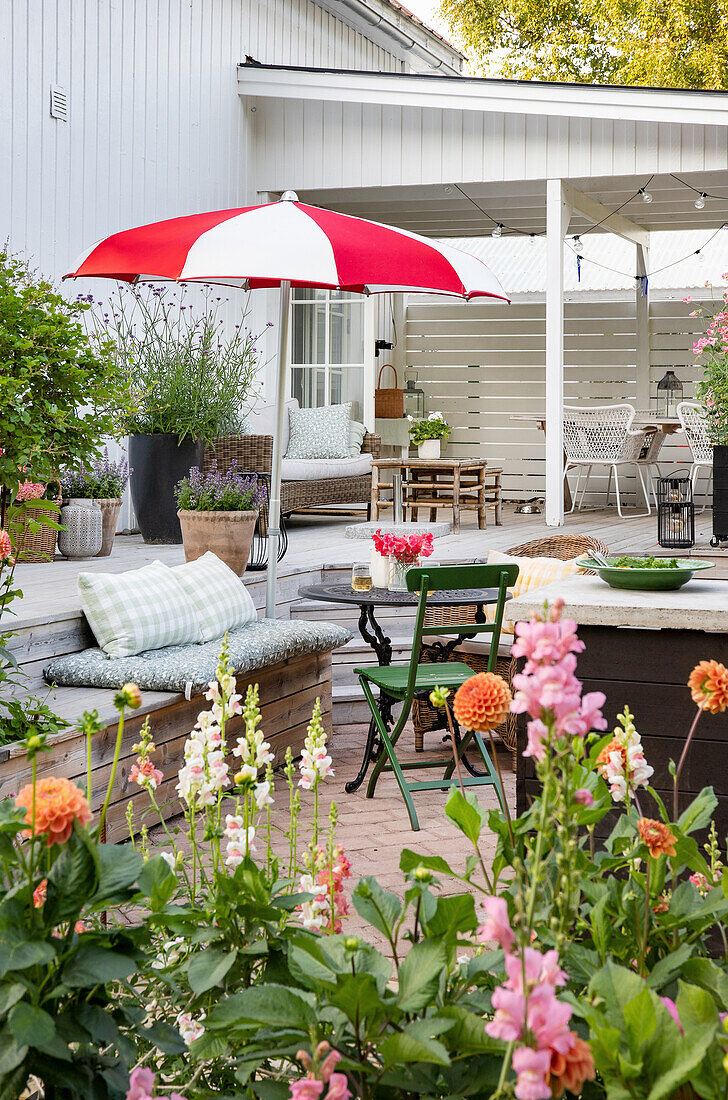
(388, 403)
(37, 546)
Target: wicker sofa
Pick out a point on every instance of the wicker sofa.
(254, 453)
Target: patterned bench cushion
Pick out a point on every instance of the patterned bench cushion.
(189, 668)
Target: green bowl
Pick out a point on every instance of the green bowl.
(646, 580)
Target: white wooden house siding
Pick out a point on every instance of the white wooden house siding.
(387, 145)
(482, 362)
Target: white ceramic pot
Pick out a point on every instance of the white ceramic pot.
(84, 529)
(429, 448)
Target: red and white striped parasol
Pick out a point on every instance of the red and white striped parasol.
(284, 244)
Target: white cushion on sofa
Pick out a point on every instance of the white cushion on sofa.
(315, 469)
(220, 597)
(262, 421)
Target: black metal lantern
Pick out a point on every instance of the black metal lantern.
(675, 512)
(414, 397)
(669, 394)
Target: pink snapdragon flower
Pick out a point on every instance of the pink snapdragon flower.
(532, 1068)
(496, 925)
(307, 1088)
(584, 797)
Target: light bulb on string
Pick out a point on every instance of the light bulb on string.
(497, 230)
(699, 256)
(533, 237)
(700, 201)
(578, 243)
(646, 196)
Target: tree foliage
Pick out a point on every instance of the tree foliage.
(675, 44)
(59, 390)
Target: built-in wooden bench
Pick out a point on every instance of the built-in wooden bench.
(288, 691)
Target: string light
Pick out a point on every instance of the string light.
(497, 230)
(700, 201)
(646, 196)
(578, 245)
(699, 256)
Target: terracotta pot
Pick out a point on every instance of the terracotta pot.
(227, 534)
(110, 508)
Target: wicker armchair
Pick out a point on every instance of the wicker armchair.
(254, 453)
(424, 716)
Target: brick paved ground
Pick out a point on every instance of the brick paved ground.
(374, 831)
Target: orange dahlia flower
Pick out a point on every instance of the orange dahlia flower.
(58, 803)
(708, 683)
(657, 837)
(482, 702)
(571, 1070)
(614, 746)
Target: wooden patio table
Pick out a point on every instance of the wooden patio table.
(667, 424)
(640, 649)
(457, 483)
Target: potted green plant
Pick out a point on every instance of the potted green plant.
(61, 390)
(103, 483)
(218, 512)
(187, 383)
(426, 434)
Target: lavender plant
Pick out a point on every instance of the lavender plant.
(185, 373)
(216, 492)
(104, 479)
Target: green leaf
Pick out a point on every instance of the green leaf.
(94, 965)
(413, 1044)
(410, 861)
(208, 968)
(466, 813)
(10, 995)
(640, 1021)
(670, 966)
(158, 882)
(121, 867)
(17, 953)
(358, 997)
(379, 907)
(453, 916)
(32, 1027)
(71, 881)
(419, 975)
(468, 1034)
(11, 1055)
(699, 814)
(617, 986)
(706, 974)
(271, 1004)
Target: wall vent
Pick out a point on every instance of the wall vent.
(59, 103)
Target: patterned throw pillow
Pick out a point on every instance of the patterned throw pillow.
(533, 573)
(357, 431)
(141, 609)
(220, 597)
(319, 433)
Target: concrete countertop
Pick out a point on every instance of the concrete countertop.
(699, 605)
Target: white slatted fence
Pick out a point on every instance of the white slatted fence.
(482, 362)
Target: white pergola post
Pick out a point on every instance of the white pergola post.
(642, 328)
(558, 215)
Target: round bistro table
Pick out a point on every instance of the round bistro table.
(372, 633)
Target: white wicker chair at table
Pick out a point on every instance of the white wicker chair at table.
(690, 415)
(602, 435)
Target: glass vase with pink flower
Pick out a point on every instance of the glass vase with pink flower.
(403, 553)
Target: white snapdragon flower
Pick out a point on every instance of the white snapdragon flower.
(262, 795)
(170, 859)
(315, 761)
(190, 1027)
(622, 762)
(312, 913)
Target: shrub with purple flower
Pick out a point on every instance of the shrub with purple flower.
(105, 479)
(216, 492)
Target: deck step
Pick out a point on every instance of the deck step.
(357, 653)
(349, 706)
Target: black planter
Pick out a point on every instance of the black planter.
(720, 492)
(158, 462)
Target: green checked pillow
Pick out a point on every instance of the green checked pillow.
(319, 433)
(220, 597)
(141, 609)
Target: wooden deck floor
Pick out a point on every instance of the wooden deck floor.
(50, 588)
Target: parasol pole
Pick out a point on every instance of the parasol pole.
(274, 504)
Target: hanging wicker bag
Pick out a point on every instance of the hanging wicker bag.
(388, 403)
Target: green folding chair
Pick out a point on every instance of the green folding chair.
(404, 683)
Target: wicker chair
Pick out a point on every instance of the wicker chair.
(424, 716)
(692, 420)
(254, 454)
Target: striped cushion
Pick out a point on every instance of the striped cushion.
(220, 597)
(533, 573)
(141, 609)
